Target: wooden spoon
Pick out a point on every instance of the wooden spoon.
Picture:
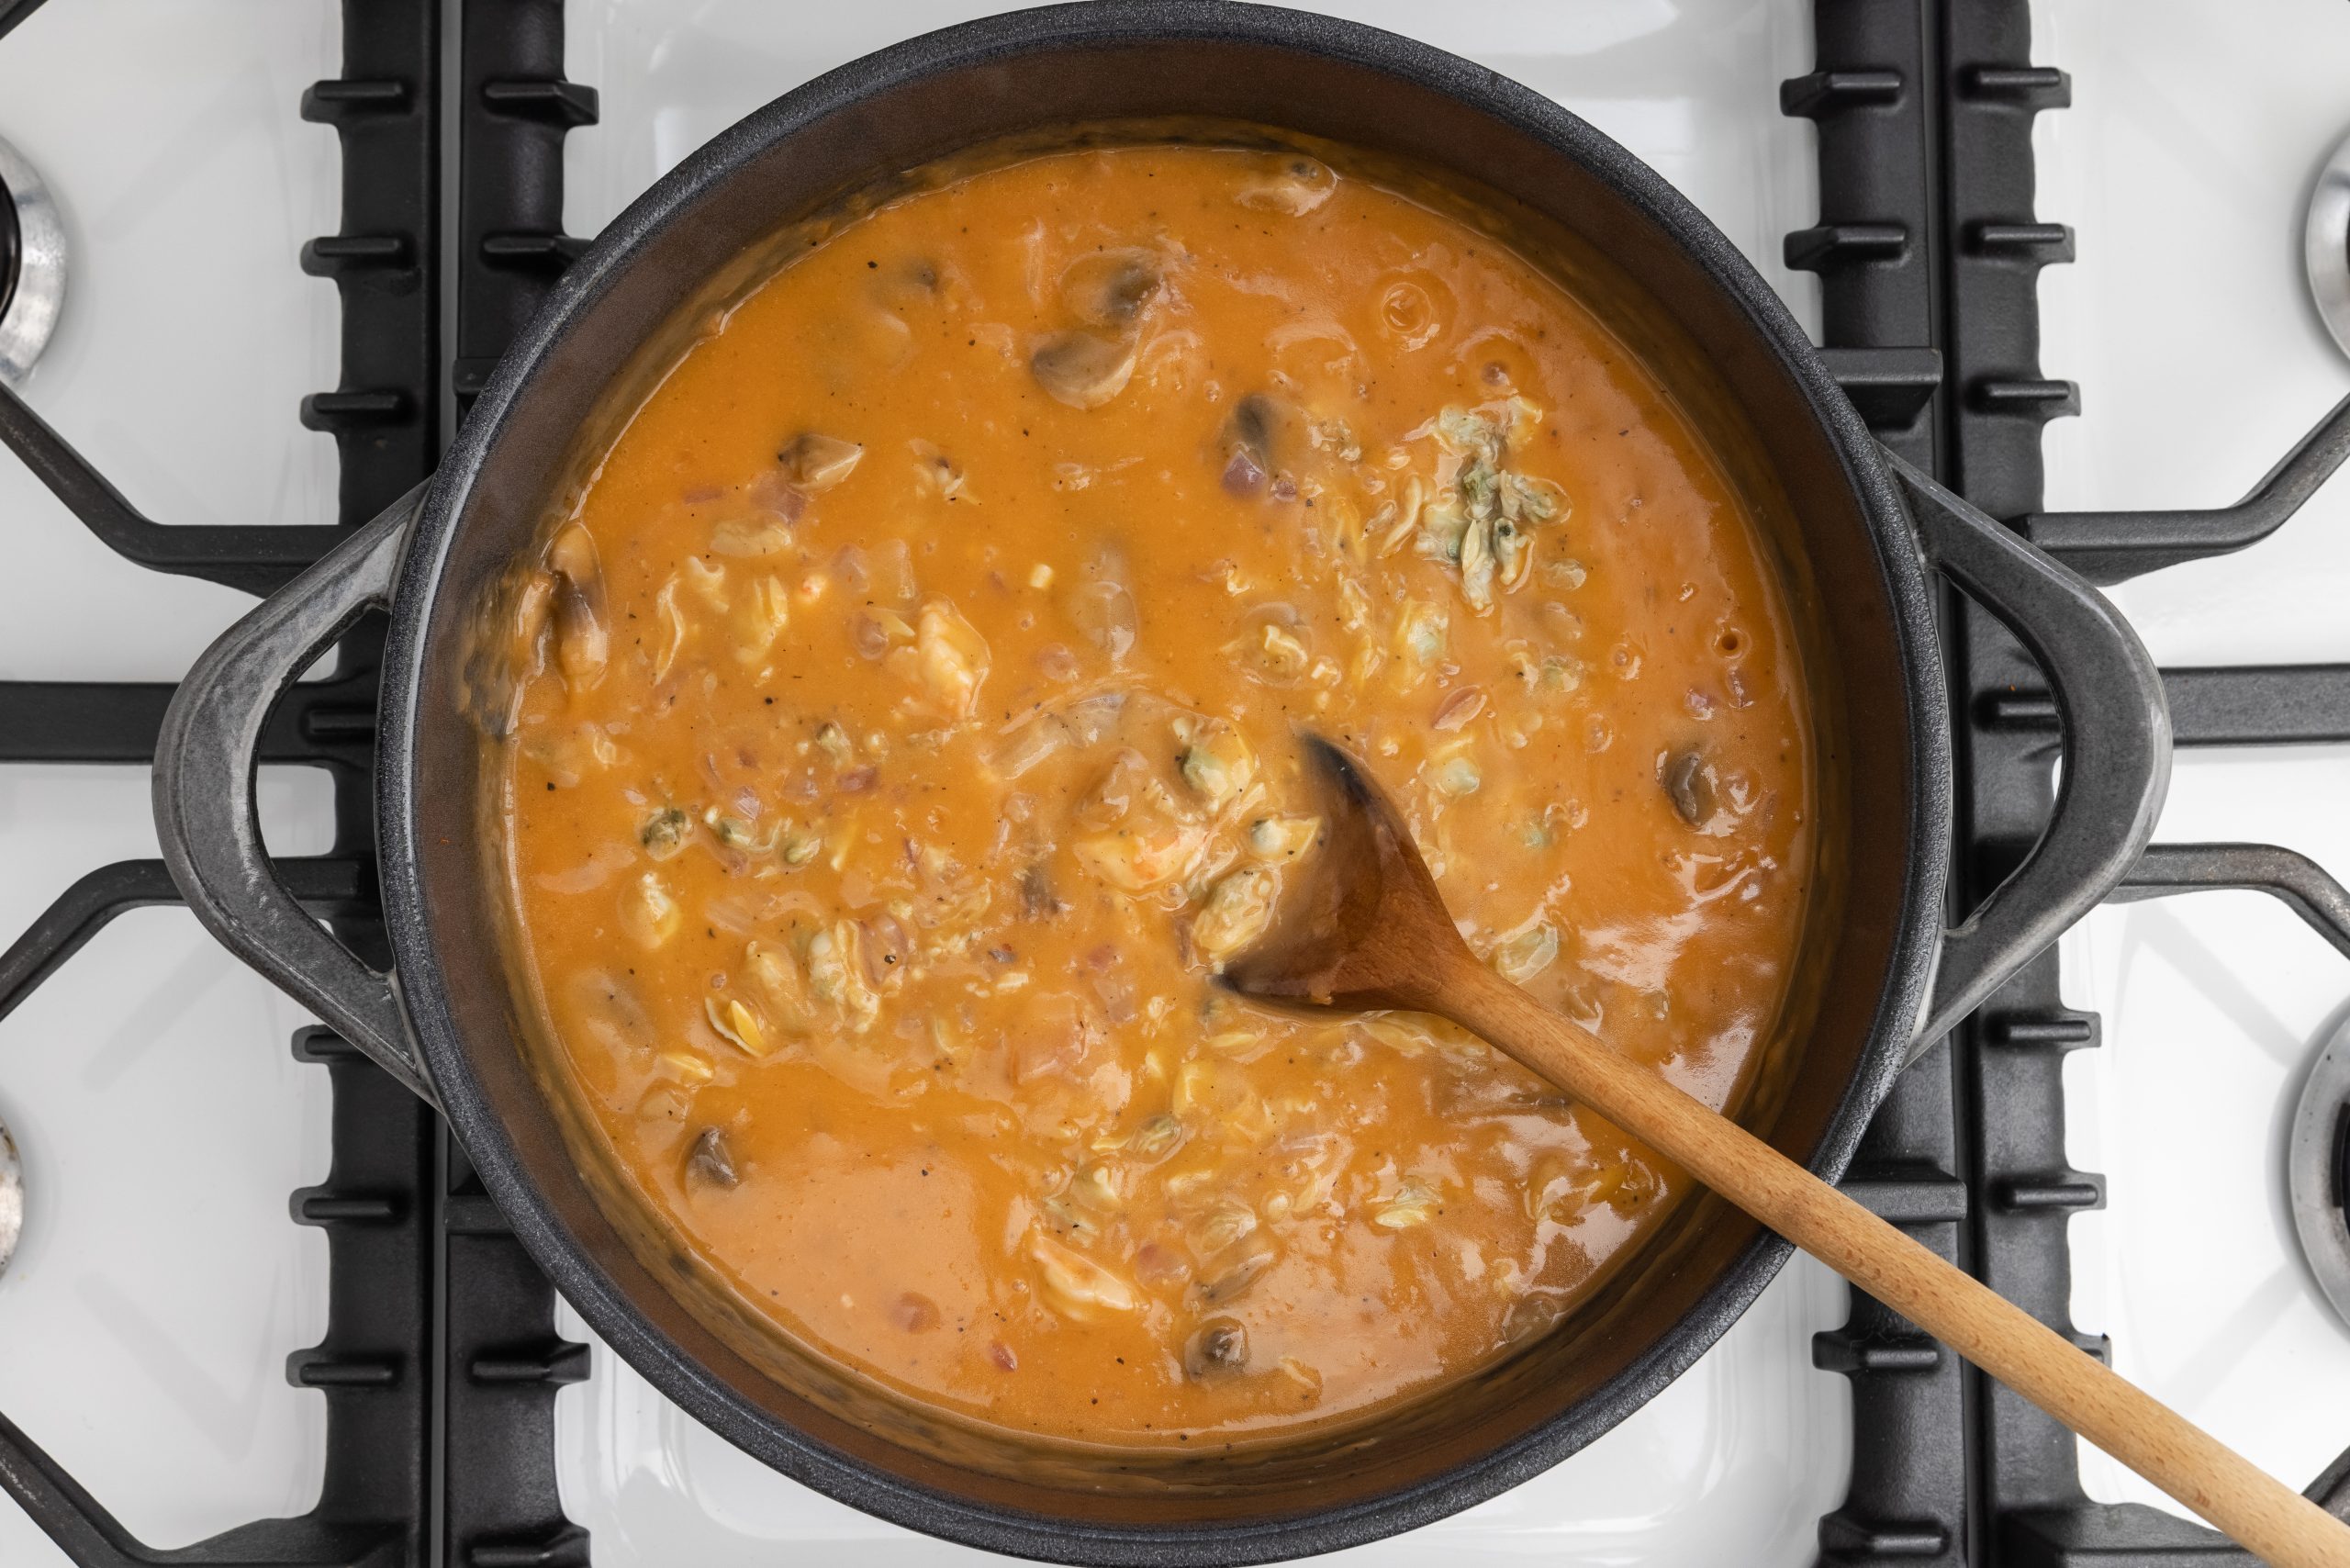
(1365, 928)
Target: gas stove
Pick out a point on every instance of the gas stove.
(258, 260)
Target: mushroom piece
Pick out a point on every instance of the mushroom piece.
(1081, 369)
(581, 643)
(1037, 900)
(1109, 288)
(711, 1161)
(1255, 420)
(1689, 785)
(816, 462)
(1247, 444)
(1296, 186)
(1218, 1346)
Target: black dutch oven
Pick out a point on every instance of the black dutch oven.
(1862, 534)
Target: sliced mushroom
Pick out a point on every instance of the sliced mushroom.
(1235, 1280)
(711, 1161)
(1296, 186)
(1689, 785)
(581, 643)
(816, 462)
(1109, 288)
(1037, 900)
(1082, 369)
(1255, 420)
(1216, 1349)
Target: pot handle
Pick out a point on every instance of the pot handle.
(204, 792)
(2117, 747)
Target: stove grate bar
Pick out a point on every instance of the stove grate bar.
(328, 884)
(500, 1506)
(2114, 547)
(327, 724)
(2227, 705)
(253, 559)
(92, 1538)
(14, 11)
(2296, 880)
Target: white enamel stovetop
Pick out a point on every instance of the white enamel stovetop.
(145, 1323)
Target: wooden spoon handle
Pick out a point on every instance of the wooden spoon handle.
(2276, 1524)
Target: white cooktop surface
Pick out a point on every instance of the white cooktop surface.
(162, 1121)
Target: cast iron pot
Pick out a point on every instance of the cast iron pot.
(1862, 533)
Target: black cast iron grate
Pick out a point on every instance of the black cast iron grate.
(439, 1362)
(1929, 250)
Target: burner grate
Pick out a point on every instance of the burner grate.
(1928, 250)
(439, 1362)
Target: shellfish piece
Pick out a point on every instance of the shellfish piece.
(686, 1067)
(738, 1025)
(1282, 838)
(648, 914)
(953, 658)
(836, 974)
(1216, 761)
(665, 832)
(1519, 958)
(1414, 1203)
(776, 977)
(758, 533)
(1076, 1285)
(1238, 908)
(765, 611)
(1143, 856)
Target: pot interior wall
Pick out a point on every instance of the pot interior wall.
(1673, 1298)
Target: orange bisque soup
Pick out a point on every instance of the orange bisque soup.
(907, 732)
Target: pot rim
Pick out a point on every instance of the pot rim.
(593, 1290)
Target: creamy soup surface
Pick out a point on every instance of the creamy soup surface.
(907, 733)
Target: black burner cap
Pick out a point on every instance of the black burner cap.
(2342, 1161)
(11, 248)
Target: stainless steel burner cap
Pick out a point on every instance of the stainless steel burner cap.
(2317, 1170)
(39, 292)
(12, 1198)
(2325, 248)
